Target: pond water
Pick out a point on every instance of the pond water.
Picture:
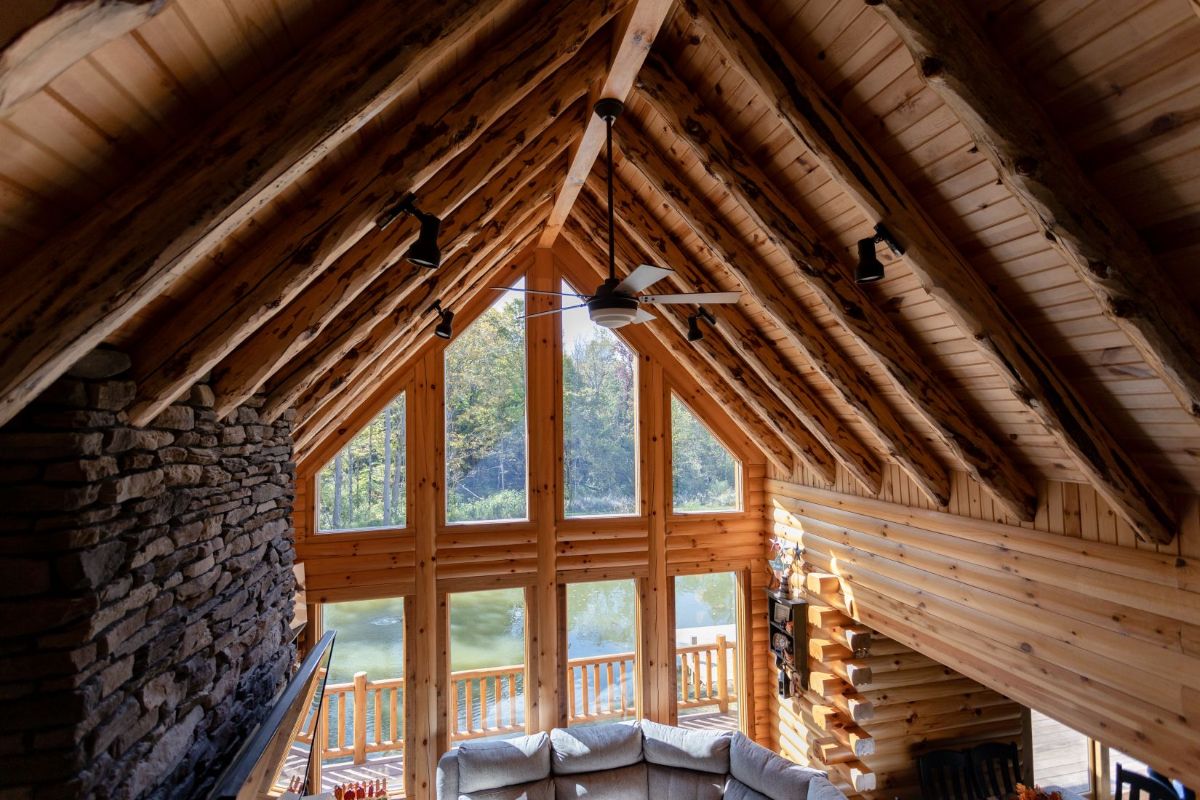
(487, 629)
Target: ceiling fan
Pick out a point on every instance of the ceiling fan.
(617, 303)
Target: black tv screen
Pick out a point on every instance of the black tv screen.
(281, 748)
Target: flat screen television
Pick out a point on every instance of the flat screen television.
(281, 750)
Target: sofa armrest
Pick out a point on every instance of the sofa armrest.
(447, 776)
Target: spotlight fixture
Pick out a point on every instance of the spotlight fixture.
(445, 326)
(694, 333)
(424, 251)
(870, 268)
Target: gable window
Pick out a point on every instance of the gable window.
(485, 416)
(704, 474)
(599, 419)
(364, 485)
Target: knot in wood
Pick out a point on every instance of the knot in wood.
(1098, 268)
(1123, 307)
(1026, 165)
(931, 66)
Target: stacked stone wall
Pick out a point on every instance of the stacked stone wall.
(145, 588)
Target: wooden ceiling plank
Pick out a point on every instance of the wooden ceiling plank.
(824, 269)
(963, 67)
(349, 337)
(513, 211)
(639, 224)
(39, 39)
(782, 308)
(639, 28)
(398, 342)
(802, 106)
(747, 418)
(722, 359)
(448, 122)
(540, 122)
(732, 360)
(82, 285)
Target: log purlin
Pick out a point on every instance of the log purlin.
(828, 274)
(1046, 619)
(804, 109)
(339, 214)
(82, 285)
(964, 68)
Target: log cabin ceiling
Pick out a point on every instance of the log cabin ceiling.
(197, 182)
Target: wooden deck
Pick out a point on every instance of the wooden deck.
(391, 766)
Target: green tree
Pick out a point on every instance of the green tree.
(704, 475)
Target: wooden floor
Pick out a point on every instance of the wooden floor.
(392, 766)
(1060, 756)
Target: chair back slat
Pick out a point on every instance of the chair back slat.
(996, 767)
(1135, 786)
(945, 775)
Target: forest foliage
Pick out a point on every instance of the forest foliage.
(486, 441)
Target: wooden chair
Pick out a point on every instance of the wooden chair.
(946, 775)
(1141, 787)
(996, 768)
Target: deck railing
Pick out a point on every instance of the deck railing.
(366, 716)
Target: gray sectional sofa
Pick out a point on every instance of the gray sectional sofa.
(626, 761)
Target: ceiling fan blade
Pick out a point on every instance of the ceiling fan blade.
(693, 297)
(642, 315)
(538, 291)
(643, 276)
(552, 311)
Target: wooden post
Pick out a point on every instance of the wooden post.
(722, 675)
(360, 717)
(657, 637)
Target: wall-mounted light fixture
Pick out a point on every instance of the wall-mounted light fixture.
(870, 268)
(424, 251)
(694, 333)
(445, 326)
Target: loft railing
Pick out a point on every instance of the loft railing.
(366, 716)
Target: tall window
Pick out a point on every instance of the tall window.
(599, 419)
(485, 416)
(601, 648)
(704, 475)
(364, 485)
(370, 640)
(487, 664)
(705, 647)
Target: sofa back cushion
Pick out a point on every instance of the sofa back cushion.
(704, 751)
(767, 773)
(673, 783)
(596, 747)
(491, 765)
(736, 790)
(621, 783)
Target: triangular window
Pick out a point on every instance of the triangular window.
(363, 486)
(704, 474)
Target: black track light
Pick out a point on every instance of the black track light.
(870, 268)
(424, 251)
(694, 333)
(445, 326)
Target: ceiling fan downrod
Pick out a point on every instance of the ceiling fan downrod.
(608, 109)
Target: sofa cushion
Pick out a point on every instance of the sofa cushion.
(736, 790)
(447, 776)
(819, 788)
(534, 790)
(596, 747)
(767, 773)
(490, 765)
(673, 783)
(624, 783)
(706, 751)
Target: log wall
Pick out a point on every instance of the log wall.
(1065, 615)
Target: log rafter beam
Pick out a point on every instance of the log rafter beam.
(745, 416)
(804, 109)
(829, 275)
(638, 28)
(531, 133)
(40, 39)
(781, 307)
(67, 297)
(638, 224)
(720, 356)
(957, 60)
(520, 211)
(335, 217)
